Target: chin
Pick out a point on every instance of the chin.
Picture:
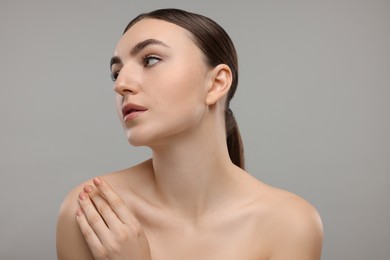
(136, 138)
(134, 141)
(148, 139)
(159, 134)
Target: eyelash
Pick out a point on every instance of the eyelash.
(114, 76)
(145, 60)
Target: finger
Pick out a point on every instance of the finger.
(102, 206)
(89, 234)
(92, 216)
(115, 202)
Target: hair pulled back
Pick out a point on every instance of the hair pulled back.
(218, 48)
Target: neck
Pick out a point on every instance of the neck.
(193, 173)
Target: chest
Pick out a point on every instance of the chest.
(226, 238)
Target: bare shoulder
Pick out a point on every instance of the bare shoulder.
(70, 241)
(294, 226)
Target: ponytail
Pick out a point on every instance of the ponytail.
(233, 139)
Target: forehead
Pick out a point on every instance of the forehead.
(147, 28)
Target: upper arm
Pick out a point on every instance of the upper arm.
(300, 234)
(70, 242)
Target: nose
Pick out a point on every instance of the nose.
(125, 84)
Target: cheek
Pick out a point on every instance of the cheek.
(182, 107)
(181, 100)
(184, 87)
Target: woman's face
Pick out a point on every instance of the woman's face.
(161, 82)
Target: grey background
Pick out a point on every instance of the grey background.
(312, 105)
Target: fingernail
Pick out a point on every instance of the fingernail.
(97, 182)
(88, 188)
(82, 195)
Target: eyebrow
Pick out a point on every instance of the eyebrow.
(138, 48)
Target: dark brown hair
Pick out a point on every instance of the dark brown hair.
(218, 48)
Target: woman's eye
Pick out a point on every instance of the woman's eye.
(150, 60)
(114, 76)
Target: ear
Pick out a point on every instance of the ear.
(220, 83)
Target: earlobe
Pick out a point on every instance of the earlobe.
(221, 81)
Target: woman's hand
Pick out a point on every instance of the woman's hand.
(109, 228)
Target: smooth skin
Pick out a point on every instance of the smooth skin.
(189, 201)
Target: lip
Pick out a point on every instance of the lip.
(131, 111)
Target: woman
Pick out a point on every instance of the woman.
(175, 73)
